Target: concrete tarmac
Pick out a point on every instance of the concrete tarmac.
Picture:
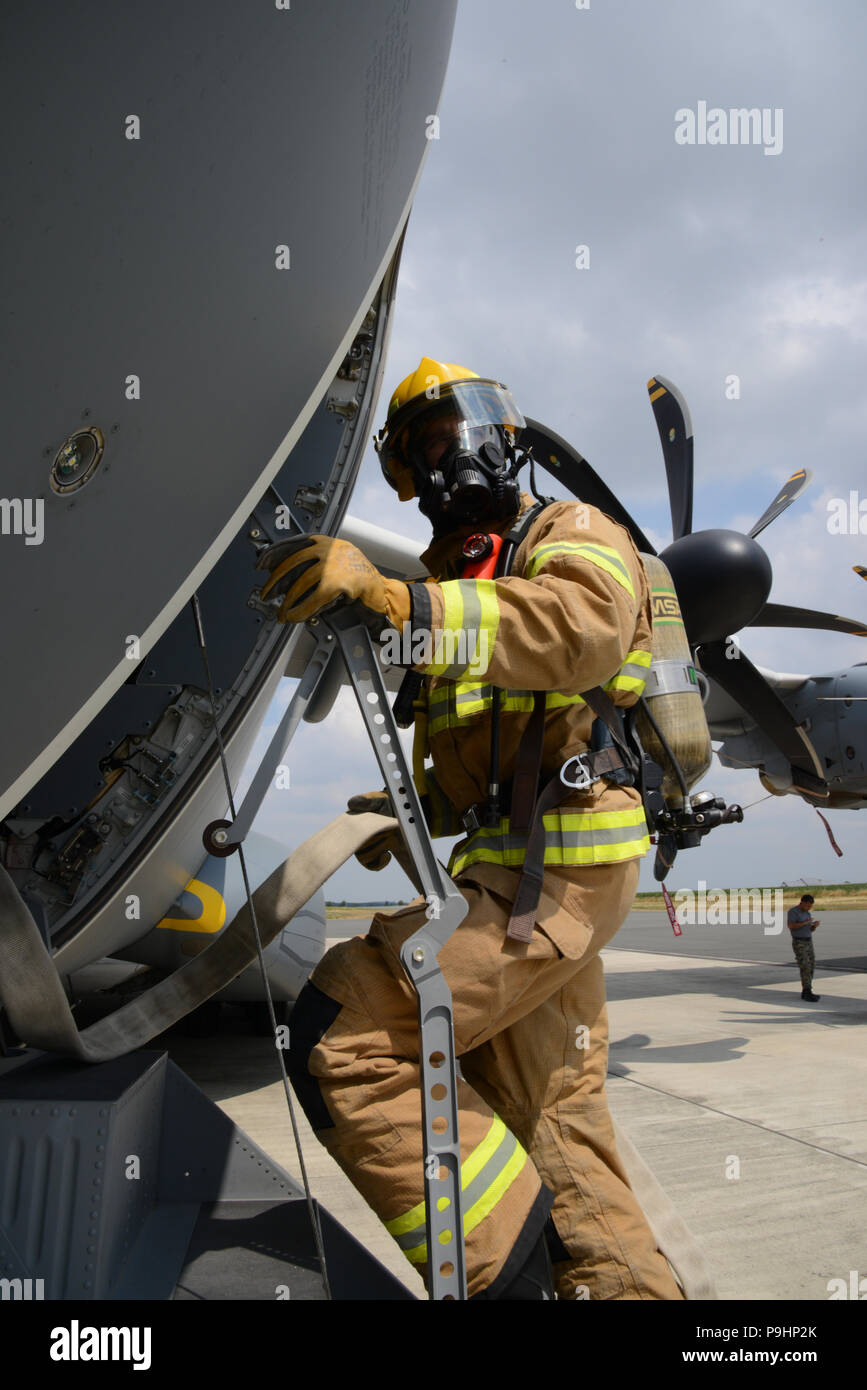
(748, 1104)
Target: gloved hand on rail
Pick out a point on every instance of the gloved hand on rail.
(310, 573)
(378, 851)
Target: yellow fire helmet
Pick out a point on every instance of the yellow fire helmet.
(435, 391)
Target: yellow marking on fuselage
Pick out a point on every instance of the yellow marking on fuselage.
(212, 916)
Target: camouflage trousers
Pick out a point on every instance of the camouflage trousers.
(806, 958)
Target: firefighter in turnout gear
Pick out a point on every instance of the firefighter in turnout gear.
(549, 876)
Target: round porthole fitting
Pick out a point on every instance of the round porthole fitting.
(77, 460)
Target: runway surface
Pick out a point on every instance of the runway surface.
(748, 1104)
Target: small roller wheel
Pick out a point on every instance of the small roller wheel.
(214, 839)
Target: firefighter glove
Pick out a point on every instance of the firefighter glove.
(310, 573)
(378, 851)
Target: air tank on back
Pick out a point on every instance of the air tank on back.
(672, 690)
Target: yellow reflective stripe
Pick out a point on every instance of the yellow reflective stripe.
(450, 704)
(465, 705)
(470, 1169)
(638, 657)
(471, 617)
(619, 682)
(600, 820)
(453, 618)
(485, 1204)
(453, 603)
(439, 701)
(630, 676)
(482, 1152)
(514, 700)
(543, 553)
(498, 1137)
(554, 700)
(498, 1187)
(558, 857)
(514, 703)
(420, 748)
(571, 838)
(605, 556)
(399, 1225)
(436, 726)
(487, 591)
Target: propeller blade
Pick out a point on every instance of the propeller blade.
(783, 615)
(792, 488)
(741, 680)
(671, 413)
(859, 569)
(562, 461)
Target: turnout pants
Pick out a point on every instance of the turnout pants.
(531, 1033)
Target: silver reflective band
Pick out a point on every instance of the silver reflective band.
(671, 677)
(584, 777)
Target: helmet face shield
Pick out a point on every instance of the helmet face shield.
(416, 435)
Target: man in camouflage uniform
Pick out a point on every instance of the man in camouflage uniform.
(802, 924)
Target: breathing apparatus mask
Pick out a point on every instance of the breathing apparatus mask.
(472, 480)
(455, 453)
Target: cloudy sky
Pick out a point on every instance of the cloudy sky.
(557, 129)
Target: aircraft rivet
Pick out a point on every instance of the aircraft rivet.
(418, 955)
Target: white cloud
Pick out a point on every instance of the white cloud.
(822, 303)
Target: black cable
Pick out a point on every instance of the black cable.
(492, 813)
(311, 1210)
(492, 810)
(678, 771)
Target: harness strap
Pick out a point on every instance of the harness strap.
(553, 794)
(605, 709)
(528, 809)
(526, 901)
(528, 767)
(511, 541)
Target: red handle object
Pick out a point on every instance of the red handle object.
(480, 556)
